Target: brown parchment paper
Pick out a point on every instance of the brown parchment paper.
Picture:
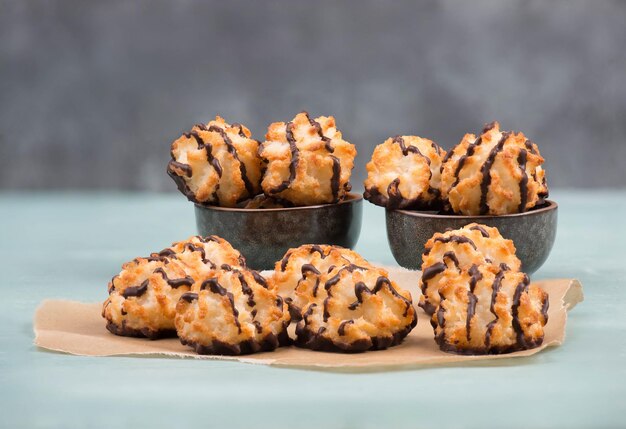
(78, 328)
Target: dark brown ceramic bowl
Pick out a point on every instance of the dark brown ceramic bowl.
(264, 235)
(532, 232)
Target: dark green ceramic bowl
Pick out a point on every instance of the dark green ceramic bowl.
(264, 235)
(532, 232)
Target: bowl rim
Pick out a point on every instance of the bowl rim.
(351, 198)
(549, 206)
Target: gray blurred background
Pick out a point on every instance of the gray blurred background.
(92, 93)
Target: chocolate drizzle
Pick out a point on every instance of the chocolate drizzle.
(486, 173)
(209, 153)
(318, 128)
(175, 283)
(544, 309)
(246, 289)
(461, 162)
(213, 285)
(309, 268)
(399, 140)
(167, 252)
(285, 261)
(490, 126)
(241, 133)
(459, 239)
(185, 168)
(293, 165)
(342, 327)
(393, 193)
(476, 276)
(318, 249)
(136, 291)
(495, 288)
(259, 278)
(521, 288)
(433, 270)
(530, 147)
(334, 180)
(193, 248)
(523, 183)
(233, 151)
(482, 230)
(361, 288)
(451, 256)
(316, 287)
(189, 296)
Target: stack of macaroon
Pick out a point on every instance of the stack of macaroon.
(495, 173)
(302, 162)
(201, 290)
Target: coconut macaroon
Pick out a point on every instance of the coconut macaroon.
(356, 309)
(405, 173)
(216, 164)
(232, 313)
(297, 276)
(490, 311)
(448, 253)
(201, 255)
(497, 173)
(143, 296)
(308, 162)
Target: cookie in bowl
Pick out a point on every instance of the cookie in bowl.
(232, 312)
(405, 173)
(307, 161)
(356, 309)
(216, 164)
(490, 311)
(143, 296)
(496, 173)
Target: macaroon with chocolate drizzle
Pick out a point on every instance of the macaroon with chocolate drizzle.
(356, 309)
(496, 173)
(405, 173)
(493, 311)
(297, 276)
(232, 312)
(202, 255)
(449, 253)
(308, 162)
(143, 296)
(216, 164)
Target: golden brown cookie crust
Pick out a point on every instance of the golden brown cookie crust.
(143, 296)
(216, 164)
(490, 311)
(232, 312)
(297, 276)
(448, 253)
(202, 255)
(308, 162)
(495, 174)
(405, 173)
(357, 309)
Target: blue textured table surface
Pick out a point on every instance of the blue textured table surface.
(69, 245)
